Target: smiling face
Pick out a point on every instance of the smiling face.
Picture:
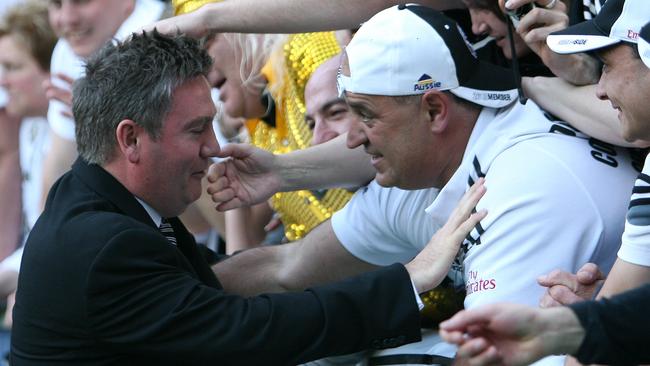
(625, 82)
(178, 159)
(486, 22)
(397, 136)
(326, 114)
(87, 24)
(22, 77)
(239, 100)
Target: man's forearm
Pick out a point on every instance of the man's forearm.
(578, 106)
(323, 166)
(561, 331)
(290, 16)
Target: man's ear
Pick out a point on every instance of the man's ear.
(129, 137)
(436, 103)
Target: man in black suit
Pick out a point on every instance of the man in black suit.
(106, 279)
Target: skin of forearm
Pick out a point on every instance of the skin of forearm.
(327, 165)
(624, 276)
(10, 201)
(578, 106)
(561, 331)
(291, 16)
(253, 272)
(578, 69)
(317, 259)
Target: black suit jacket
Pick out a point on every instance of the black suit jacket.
(100, 285)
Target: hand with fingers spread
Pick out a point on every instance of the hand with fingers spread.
(431, 265)
(537, 24)
(247, 178)
(510, 334)
(61, 92)
(566, 288)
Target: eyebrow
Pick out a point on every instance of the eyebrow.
(330, 103)
(357, 106)
(199, 121)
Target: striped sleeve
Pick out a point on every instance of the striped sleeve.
(635, 246)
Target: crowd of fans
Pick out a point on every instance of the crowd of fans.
(335, 179)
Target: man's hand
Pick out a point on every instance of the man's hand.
(510, 334)
(192, 24)
(431, 265)
(247, 178)
(566, 288)
(535, 26)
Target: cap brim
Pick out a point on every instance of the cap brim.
(490, 86)
(582, 37)
(644, 44)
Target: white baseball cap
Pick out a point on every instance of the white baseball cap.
(644, 44)
(410, 49)
(617, 21)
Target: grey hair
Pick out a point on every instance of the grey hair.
(134, 80)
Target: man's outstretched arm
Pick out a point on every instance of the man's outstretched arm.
(253, 175)
(281, 16)
(320, 258)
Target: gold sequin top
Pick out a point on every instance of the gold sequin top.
(300, 211)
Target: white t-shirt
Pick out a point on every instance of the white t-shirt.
(635, 247)
(553, 201)
(64, 61)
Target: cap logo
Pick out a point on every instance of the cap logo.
(492, 96)
(580, 42)
(632, 34)
(425, 82)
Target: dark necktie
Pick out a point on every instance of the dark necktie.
(167, 230)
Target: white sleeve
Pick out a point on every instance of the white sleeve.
(635, 247)
(370, 225)
(537, 222)
(64, 61)
(12, 262)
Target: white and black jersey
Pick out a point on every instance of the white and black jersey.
(581, 10)
(556, 199)
(635, 246)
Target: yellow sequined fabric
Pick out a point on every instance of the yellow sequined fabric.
(300, 211)
(188, 6)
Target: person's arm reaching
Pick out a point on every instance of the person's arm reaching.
(253, 175)
(609, 331)
(578, 106)
(510, 334)
(281, 16)
(320, 258)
